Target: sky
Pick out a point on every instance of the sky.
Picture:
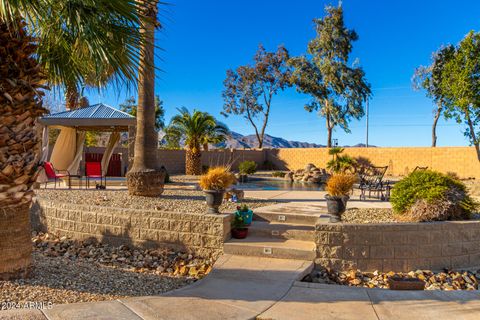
(201, 40)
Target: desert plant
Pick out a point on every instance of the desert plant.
(238, 222)
(340, 163)
(340, 184)
(429, 196)
(219, 178)
(278, 174)
(247, 167)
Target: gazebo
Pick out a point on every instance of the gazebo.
(73, 124)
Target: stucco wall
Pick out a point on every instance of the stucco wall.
(398, 246)
(201, 234)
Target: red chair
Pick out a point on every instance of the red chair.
(53, 174)
(93, 170)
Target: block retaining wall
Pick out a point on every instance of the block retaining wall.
(201, 234)
(399, 246)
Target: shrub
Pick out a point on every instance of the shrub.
(247, 167)
(268, 165)
(431, 196)
(278, 174)
(219, 178)
(340, 184)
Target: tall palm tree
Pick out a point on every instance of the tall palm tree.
(34, 52)
(196, 128)
(146, 177)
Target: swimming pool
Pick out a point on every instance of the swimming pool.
(278, 184)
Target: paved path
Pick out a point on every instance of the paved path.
(248, 288)
(316, 301)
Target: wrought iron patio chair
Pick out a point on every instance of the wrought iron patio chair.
(372, 181)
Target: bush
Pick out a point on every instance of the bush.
(219, 178)
(278, 174)
(431, 196)
(247, 167)
(268, 165)
(340, 184)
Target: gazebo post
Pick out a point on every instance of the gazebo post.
(131, 145)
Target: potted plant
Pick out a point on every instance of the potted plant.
(338, 187)
(246, 213)
(239, 227)
(245, 168)
(214, 183)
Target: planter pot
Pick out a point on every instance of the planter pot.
(398, 283)
(246, 215)
(243, 178)
(214, 199)
(336, 206)
(239, 233)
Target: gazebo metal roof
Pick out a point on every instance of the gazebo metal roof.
(95, 117)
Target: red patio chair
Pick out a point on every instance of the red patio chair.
(53, 174)
(93, 170)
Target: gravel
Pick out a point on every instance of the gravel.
(446, 280)
(180, 200)
(67, 271)
(368, 215)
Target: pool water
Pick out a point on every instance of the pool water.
(267, 184)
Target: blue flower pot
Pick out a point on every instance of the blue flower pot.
(246, 215)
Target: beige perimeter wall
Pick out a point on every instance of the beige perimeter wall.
(400, 161)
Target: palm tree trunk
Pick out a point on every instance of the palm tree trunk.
(20, 105)
(146, 178)
(193, 162)
(71, 97)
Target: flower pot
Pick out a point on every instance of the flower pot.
(214, 199)
(239, 233)
(242, 178)
(246, 215)
(336, 206)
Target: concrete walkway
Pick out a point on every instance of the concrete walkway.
(307, 301)
(262, 288)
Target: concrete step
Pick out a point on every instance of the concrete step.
(282, 230)
(291, 213)
(271, 248)
(287, 218)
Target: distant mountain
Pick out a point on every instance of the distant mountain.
(238, 141)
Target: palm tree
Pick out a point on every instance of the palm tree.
(196, 128)
(146, 177)
(34, 52)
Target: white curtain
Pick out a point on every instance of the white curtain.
(65, 148)
(45, 136)
(111, 145)
(75, 164)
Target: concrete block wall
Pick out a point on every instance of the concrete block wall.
(401, 161)
(200, 234)
(398, 247)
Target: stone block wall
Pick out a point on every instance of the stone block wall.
(398, 247)
(200, 234)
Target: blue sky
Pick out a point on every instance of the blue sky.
(202, 39)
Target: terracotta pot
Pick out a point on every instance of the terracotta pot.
(239, 233)
(397, 283)
(214, 199)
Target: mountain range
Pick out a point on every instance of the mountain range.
(239, 141)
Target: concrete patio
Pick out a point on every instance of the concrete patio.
(262, 288)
